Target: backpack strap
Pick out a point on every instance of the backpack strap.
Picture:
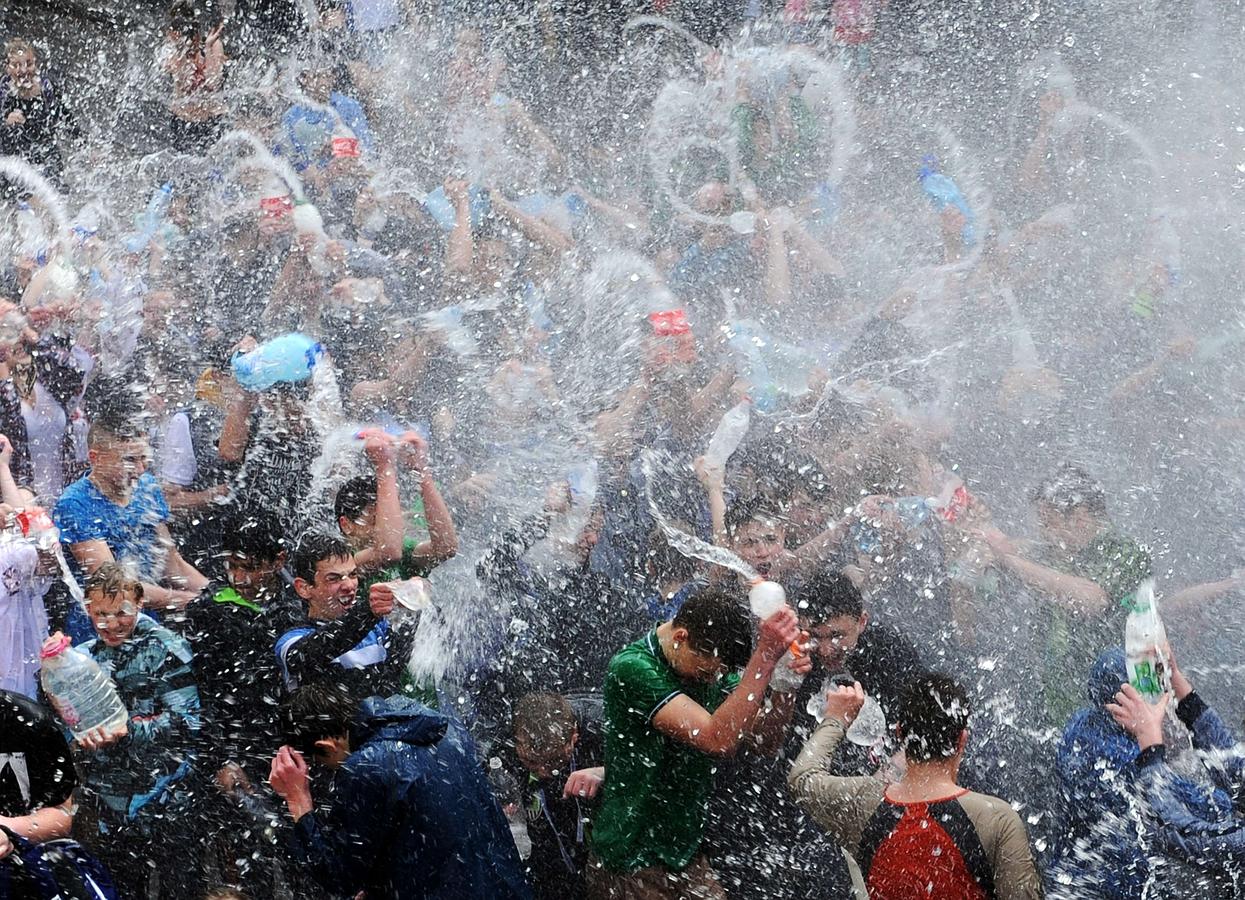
(877, 829)
(953, 818)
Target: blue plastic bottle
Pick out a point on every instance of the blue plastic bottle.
(153, 218)
(287, 359)
(944, 192)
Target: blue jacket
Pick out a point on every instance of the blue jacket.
(412, 815)
(1108, 838)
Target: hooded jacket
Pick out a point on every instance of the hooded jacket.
(1123, 809)
(412, 815)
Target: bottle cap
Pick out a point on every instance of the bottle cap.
(54, 646)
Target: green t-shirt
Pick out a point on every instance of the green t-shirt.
(407, 567)
(1116, 564)
(653, 807)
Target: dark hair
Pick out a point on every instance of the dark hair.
(717, 624)
(931, 713)
(315, 712)
(111, 428)
(315, 547)
(354, 497)
(1070, 487)
(111, 579)
(827, 595)
(256, 534)
(546, 720)
(743, 511)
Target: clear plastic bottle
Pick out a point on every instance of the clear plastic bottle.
(410, 597)
(1145, 645)
(82, 695)
(729, 434)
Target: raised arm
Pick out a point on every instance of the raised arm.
(720, 733)
(387, 530)
(442, 543)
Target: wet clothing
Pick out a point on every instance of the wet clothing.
(83, 513)
(653, 805)
(359, 651)
(239, 687)
(36, 769)
(1117, 564)
(412, 815)
(967, 845)
(146, 771)
(1102, 774)
(35, 139)
(409, 566)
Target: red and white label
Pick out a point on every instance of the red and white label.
(276, 207)
(347, 147)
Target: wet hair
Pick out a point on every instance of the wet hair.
(316, 712)
(717, 625)
(827, 595)
(547, 721)
(184, 18)
(1070, 487)
(113, 579)
(19, 45)
(931, 713)
(315, 547)
(354, 497)
(111, 428)
(741, 512)
(255, 534)
(225, 893)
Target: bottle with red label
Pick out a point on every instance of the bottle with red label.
(344, 144)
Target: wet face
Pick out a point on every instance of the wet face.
(835, 639)
(251, 577)
(694, 665)
(359, 529)
(23, 70)
(760, 543)
(117, 464)
(1072, 528)
(334, 590)
(540, 759)
(113, 615)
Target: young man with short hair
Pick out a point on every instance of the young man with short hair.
(117, 513)
(334, 636)
(411, 815)
(924, 834)
(673, 702)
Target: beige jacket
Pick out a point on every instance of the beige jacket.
(844, 806)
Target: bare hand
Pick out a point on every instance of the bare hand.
(246, 345)
(381, 600)
(288, 776)
(6, 844)
(1143, 720)
(843, 703)
(15, 118)
(378, 448)
(558, 498)
(584, 783)
(710, 476)
(413, 451)
(456, 191)
(777, 634)
(99, 738)
(6, 451)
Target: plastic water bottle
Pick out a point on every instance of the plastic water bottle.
(766, 598)
(1145, 645)
(729, 434)
(152, 219)
(411, 596)
(868, 729)
(944, 192)
(82, 695)
(289, 358)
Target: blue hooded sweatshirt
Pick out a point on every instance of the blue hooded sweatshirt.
(1122, 806)
(412, 815)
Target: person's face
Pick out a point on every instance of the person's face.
(692, 665)
(1064, 529)
(119, 463)
(251, 577)
(835, 639)
(114, 616)
(361, 526)
(334, 589)
(543, 762)
(23, 70)
(760, 543)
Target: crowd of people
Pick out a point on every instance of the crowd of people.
(453, 599)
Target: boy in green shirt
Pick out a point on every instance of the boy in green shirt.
(669, 711)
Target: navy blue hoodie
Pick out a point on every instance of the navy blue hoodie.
(412, 815)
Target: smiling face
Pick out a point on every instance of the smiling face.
(114, 615)
(117, 463)
(334, 589)
(23, 70)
